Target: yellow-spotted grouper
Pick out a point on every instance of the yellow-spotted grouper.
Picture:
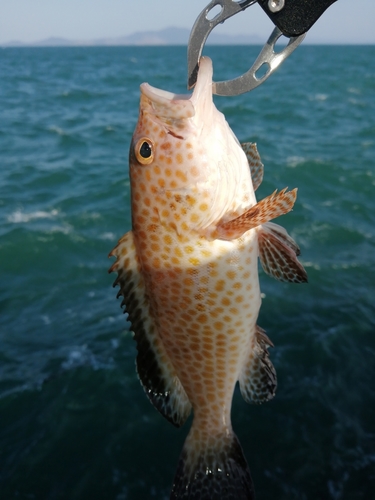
(188, 274)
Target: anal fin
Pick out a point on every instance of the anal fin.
(265, 210)
(154, 367)
(278, 254)
(258, 380)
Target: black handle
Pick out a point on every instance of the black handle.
(294, 17)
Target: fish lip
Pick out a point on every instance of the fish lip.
(164, 106)
(169, 104)
(159, 96)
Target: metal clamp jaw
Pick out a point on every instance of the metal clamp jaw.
(292, 19)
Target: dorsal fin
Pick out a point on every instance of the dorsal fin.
(155, 370)
(278, 254)
(258, 380)
(255, 163)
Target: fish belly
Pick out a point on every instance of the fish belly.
(206, 308)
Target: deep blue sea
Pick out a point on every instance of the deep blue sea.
(74, 421)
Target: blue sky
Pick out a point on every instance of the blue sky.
(346, 21)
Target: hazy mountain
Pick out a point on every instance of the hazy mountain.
(166, 36)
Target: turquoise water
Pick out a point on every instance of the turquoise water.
(74, 421)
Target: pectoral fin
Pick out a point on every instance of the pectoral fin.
(278, 254)
(255, 163)
(267, 209)
(258, 380)
(155, 370)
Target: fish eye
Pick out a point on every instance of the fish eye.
(144, 151)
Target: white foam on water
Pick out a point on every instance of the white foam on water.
(354, 90)
(294, 161)
(18, 216)
(321, 97)
(57, 130)
(107, 236)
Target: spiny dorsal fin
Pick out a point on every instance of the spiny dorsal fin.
(265, 210)
(258, 380)
(155, 370)
(278, 254)
(255, 163)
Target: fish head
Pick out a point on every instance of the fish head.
(187, 168)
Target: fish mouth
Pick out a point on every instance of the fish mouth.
(166, 104)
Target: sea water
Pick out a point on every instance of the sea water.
(74, 421)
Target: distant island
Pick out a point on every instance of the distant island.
(166, 36)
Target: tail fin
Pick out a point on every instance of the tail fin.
(212, 470)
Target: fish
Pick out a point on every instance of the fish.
(188, 275)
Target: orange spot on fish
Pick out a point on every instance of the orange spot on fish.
(191, 200)
(151, 228)
(218, 325)
(212, 272)
(179, 158)
(178, 252)
(202, 318)
(181, 175)
(188, 281)
(156, 263)
(225, 301)
(194, 261)
(220, 285)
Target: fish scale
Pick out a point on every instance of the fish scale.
(188, 273)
